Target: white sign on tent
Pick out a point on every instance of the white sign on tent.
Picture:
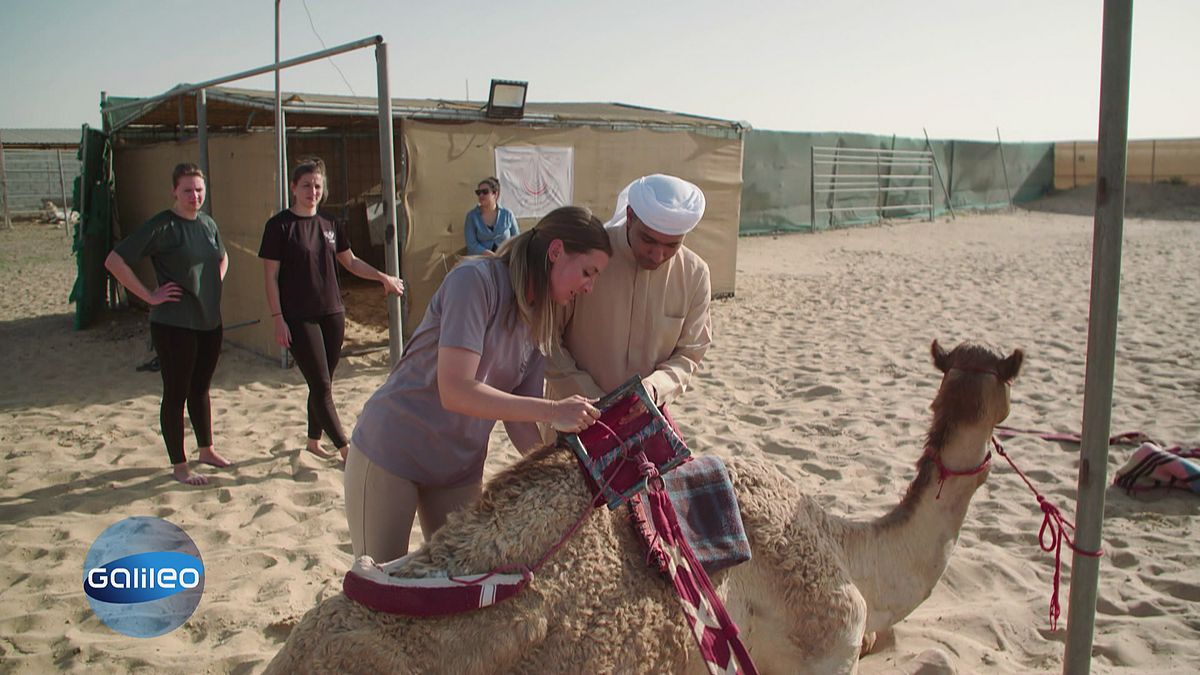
(535, 180)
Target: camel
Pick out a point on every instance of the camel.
(819, 587)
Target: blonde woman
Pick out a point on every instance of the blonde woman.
(477, 357)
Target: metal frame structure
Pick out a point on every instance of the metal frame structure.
(51, 172)
(889, 166)
(393, 236)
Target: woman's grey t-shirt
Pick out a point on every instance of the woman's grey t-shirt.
(403, 427)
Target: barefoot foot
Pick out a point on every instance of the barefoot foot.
(183, 474)
(210, 457)
(315, 448)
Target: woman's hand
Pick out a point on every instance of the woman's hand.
(574, 414)
(283, 334)
(392, 285)
(168, 292)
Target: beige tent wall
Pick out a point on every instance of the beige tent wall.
(241, 187)
(1148, 161)
(243, 198)
(446, 161)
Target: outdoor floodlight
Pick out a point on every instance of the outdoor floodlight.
(506, 99)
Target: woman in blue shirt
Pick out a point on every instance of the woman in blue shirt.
(489, 224)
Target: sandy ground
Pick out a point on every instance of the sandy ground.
(820, 363)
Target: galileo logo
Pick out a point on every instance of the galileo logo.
(143, 577)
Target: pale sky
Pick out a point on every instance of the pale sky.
(958, 68)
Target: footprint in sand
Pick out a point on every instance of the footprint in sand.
(1178, 589)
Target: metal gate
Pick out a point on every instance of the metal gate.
(870, 172)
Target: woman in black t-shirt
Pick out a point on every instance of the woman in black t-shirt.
(300, 251)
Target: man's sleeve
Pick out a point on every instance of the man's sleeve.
(563, 376)
(673, 376)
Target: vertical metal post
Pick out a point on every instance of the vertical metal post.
(1153, 155)
(387, 188)
(202, 141)
(4, 187)
(937, 172)
(280, 165)
(1004, 166)
(1074, 164)
(950, 172)
(812, 188)
(891, 170)
(62, 187)
(879, 193)
(1102, 330)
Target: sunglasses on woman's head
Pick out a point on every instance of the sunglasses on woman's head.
(481, 193)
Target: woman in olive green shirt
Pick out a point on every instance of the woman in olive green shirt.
(189, 261)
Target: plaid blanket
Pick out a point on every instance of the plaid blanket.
(708, 513)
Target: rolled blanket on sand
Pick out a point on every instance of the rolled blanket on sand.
(1153, 467)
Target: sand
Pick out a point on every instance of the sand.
(820, 362)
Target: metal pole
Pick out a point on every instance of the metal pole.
(1102, 330)
(202, 141)
(4, 187)
(1074, 164)
(62, 187)
(1153, 155)
(812, 189)
(1004, 166)
(282, 65)
(387, 189)
(280, 167)
(938, 172)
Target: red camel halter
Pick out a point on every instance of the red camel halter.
(945, 472)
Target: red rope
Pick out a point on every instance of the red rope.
(528, 570)
(1054, 524)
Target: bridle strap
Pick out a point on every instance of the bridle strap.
(945, 472)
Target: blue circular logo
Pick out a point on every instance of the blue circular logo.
(143, 577)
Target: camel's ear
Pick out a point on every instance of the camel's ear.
(1010, 367)
(941, 359)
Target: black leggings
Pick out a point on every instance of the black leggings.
(187, 359)
(317, 346)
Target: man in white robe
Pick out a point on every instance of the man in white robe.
(648, 313)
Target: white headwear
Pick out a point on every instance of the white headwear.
(666, 204)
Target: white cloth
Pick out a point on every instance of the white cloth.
(666, 204)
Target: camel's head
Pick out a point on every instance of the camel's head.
(975, 383)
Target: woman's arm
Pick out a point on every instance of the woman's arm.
(122, 272)
(463, 394)
(283, 334)
(361, 268)
(224, 266)
(472, 237)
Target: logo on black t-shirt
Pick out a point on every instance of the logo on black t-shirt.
(330, 236)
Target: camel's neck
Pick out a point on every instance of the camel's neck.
(896, 560)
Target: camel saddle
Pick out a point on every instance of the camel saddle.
(630, 430)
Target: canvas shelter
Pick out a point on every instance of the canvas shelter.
(443, 149)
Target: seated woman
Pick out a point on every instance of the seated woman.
(477, 357)
(489, 224)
